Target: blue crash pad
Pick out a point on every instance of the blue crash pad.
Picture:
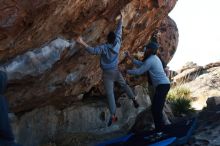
(175, 134)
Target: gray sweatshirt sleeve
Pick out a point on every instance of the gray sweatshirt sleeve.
(96, 50)
(136, 62)
(118, 32)
(142, 69)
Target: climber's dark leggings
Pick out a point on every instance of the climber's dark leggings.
(158, 104)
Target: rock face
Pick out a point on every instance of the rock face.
(50, 75)
(207, 132)
(48, 124)
(41, 58)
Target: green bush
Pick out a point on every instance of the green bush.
(180, 101)
(178, 92)
(182, 106)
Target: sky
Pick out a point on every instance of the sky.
(198, 22)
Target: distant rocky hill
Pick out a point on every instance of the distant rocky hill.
(203, 81)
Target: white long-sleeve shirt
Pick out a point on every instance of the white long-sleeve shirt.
(155, 68)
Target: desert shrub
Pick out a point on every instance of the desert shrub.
(182, 106)
(180, 101)
(178, 92)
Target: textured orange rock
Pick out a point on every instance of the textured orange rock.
(28, 24)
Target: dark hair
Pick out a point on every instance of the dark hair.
(111, 37)
(153, 47)
(154, 39)
(146, 56)
(154, 51)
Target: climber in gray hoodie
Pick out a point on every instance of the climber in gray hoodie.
(6, 135)
(109, 53)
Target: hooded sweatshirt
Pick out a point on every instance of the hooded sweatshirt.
(109, 52)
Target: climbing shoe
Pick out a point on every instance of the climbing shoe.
(112, 119)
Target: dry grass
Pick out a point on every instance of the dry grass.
(180, 101)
